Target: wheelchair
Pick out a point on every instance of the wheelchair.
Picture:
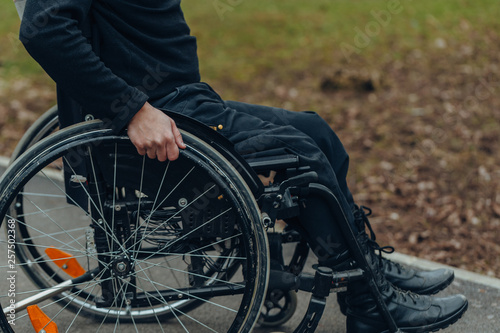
(113, 240)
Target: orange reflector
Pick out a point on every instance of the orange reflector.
(65, 261)
(40, 320)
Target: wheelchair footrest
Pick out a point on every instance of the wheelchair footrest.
(321, 289)
(307, 282)
(320, 285)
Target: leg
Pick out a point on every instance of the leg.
(254, 129)
(325, 138)
(312, 125)
(251, 135)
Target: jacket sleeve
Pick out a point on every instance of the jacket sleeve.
(51, 31)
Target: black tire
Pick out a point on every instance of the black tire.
(279, 307)
(201, 226)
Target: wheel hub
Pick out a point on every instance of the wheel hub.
(122, 265)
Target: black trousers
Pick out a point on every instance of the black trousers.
(254, 129)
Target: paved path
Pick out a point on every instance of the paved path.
(482, 316)
(483, 293)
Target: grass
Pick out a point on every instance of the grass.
(414, 99)
(241, 39)
(256, 37)
(14, 60)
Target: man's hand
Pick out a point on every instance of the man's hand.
(154, 133)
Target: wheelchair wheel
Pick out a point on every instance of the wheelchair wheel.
(129, 243)
(279, 307)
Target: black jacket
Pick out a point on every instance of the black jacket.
(110, 56)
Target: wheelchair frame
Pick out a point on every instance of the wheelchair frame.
(275, 201)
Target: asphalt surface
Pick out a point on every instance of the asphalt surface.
(483, 294)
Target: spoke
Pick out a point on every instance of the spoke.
(111, 247)
(152, 307)
(176, 254)
(125, 284)
(95, 180)
(39, 260)
(146, 221)
(48, 235)
(139, 201)
(191, 273)
(54, 222)
(81, 307)
(189, 253)
(66, 246)
(105, 317)
(195, 229)
(172, 309)
(45, 234)
(174, 275)
(70, 301)
(117, 324)
(200, 226)
(67, 296)
(184, 272)
(45, 195)
(95, 206)
(46, 210)
(32, 292)
(76, 203)
(168, 195)
(201, 248)
(163, 299)
(114, 303)
(190, 295)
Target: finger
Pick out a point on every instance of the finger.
(161, 153)
(171, 147)
(172, 150)
(177, 135)
(151, 153)
(141, 151)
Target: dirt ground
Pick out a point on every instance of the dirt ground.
(422, 132)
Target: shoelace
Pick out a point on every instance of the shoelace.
(405, 293)
(362, 215)
(389, 265)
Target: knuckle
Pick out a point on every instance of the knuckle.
(168, 137)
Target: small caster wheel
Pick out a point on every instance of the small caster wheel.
(279, 306)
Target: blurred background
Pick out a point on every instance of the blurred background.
(412, 88)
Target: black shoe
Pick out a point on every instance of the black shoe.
(411, 312)
(407, 279)
(419, 282)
